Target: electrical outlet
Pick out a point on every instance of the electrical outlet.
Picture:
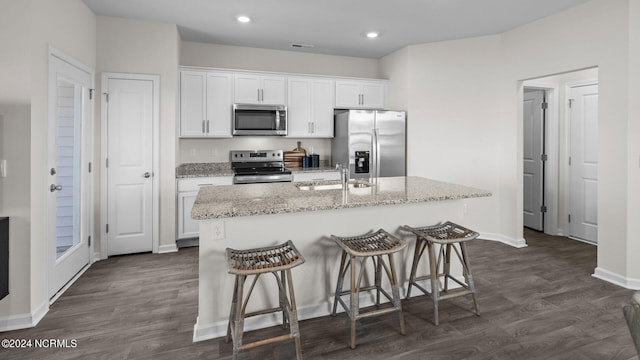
(217, 229)
(465, 209)
(193, 152)
(3, 168)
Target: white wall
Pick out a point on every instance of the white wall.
(453, 106)
(15, 110)
(29, 28)
(469, 93)
(134, 46)
(633, 133)
(238, 57)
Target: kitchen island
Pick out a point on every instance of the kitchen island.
(258, 215)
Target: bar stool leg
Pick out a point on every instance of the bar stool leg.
(447, 266)
(395, 290)
(234, 301)
(377, 263)
(292, 309)
(354, 299)
(417, 254)
(343, 269)
(282, 297)
(238, 321)
(435, 282)
(469, 276)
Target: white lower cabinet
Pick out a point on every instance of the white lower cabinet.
(187, 192)
(316, 176)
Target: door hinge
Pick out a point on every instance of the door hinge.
(89, 241)
(106, 96)
(571, 102)
(107, 228)
(89, 166)
(91, 93)
(569, 217)
(543, 157)
(545, 106)
(543, 209)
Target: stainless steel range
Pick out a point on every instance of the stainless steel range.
(259, 166)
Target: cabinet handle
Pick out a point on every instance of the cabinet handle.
(313, 127)
(261, 94)
(208, 121)
(258, 94)
(203, 126)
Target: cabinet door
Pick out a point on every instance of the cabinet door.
(219, 103)
(247, 89)
(187, 227)
(192, 104)
(348, 94)
(299, 108)
(273, 90)
(373, 95)
(322, 99)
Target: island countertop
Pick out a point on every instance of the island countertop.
(215, 202)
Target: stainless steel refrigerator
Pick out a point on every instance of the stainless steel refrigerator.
(372, 142)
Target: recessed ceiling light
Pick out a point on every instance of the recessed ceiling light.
(372, 35)
(243, 18)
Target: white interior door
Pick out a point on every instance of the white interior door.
(533, 164)
(68, 173)
(129, 165)
(583, 163)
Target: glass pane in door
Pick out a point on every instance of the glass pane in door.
(68, 136)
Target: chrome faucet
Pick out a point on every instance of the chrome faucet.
(344, 175)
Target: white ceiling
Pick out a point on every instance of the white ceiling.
(336, 27)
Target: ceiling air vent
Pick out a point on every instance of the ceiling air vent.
(298, 46)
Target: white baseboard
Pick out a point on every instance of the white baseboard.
(24, 321)
(617, 279)
(517, 243)
(162, 249)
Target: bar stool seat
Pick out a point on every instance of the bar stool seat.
(358, 249)
(448, 236)
(242, 263)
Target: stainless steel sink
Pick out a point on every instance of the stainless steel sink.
(317, 187)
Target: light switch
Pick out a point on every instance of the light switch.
(3, 168)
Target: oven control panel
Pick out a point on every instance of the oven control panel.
(256, 155)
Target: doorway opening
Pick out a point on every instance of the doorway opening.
(560, 144)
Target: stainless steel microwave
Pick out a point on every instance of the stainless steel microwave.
(250, 119)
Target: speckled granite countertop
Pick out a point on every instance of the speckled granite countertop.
(194, 170)
(278, 198)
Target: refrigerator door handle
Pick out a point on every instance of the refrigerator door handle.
(376, 156)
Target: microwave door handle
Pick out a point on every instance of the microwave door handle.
(277, 120)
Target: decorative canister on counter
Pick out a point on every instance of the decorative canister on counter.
(305, 161)
(315, 160)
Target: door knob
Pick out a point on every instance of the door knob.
(55, 187)
(147, 175)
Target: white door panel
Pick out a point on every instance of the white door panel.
(130, 168)
(533, 166)
(583, 177)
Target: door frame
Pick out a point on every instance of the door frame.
(567, 150)
(88, 178)
(551, 135)
(104, 151)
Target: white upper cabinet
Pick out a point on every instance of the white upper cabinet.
(361, 94)
(310, 107)
(205, 104)
(259, 89)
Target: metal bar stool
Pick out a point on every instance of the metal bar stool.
(360, 248)
(445, 235)
(274, 259)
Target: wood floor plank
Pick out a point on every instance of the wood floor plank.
(539, 302)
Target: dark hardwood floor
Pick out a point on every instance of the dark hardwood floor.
(539, 302)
